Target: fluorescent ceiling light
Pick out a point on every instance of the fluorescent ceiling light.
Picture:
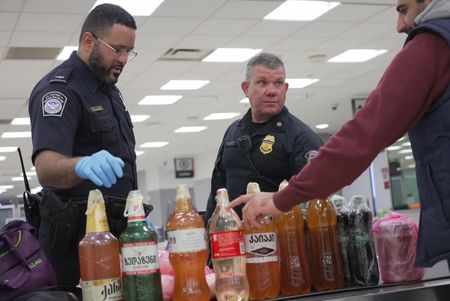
(66, 52)
(134, 7)
(322, 126)
(21, 121)
(406, 144)
(405, 151)
(6, 187)
(412, 166)
(357, 55)
(16, 134)
(409, 157)
(298, 83)
(30, 173)
(36, 189)
(230, 55)
(153, 100)
(184, 84)
(292, 10)
(244, 100)
(2, 158)
(221, 116)
(154, 144)
(139, 118)
(138, 153)
(18, 179)
(394, 147)
(190, 129)
(8, 149)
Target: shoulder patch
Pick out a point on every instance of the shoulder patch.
(53, 104)
(311, 154)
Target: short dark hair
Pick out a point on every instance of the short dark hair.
(268, 60)
(103, 17)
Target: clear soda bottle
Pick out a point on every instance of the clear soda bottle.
(296, 276)
(99, 254)
(344, 234)
(326, 267)
(364, 262)
(228, 253)
(261, 251)
(187, 250)
(140, 261)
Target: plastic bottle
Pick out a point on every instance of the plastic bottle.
(364, 263)
(261, 251)
(344, 234)
(140, 261)
(326, 259)
(187, 250)
(99, 254)
(228, 253)
(296, 275)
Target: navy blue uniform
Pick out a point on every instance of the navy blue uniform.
(75, 114)
(280, 149)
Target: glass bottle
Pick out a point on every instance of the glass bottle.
(99, 254)
(140, 261)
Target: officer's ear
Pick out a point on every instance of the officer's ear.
(244, 87)
(87, 40)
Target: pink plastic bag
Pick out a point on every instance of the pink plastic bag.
(395, 239)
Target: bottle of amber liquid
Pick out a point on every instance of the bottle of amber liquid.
(261, 251)
(327, 270)
(296, 275)
(99, 254)
(187, 250)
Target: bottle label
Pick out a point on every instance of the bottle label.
(140, 258)
(104, 290)
(261, 247)
(227, 244)
(187, 240)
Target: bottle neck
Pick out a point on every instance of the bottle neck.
(96, 220)
(183, 205)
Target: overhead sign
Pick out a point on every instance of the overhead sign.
(184, 167)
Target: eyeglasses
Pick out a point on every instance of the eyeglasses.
(131, 54)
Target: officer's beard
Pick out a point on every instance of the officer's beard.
(105, 73)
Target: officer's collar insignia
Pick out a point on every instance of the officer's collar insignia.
(53, 104)
(279, 124)
(266, 144)
(96, 108)
(311, 154)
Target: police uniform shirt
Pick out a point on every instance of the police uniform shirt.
(73, 113)
(279, 149)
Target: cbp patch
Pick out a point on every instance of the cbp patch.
(311, 154)
(53, 104)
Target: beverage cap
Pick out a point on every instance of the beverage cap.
(253, 187)
(357, 199)
(182, 192)
(337, 200)
(222, 196)
(134, 205)
(283, 185)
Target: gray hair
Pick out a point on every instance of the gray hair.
(268, 60)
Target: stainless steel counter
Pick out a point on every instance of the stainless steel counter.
(426, 290)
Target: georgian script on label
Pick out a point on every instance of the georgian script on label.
(102, 290)
(140, 258)
(188, 240)
(261, 247)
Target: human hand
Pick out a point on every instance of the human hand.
(101, 168)
(257, 205)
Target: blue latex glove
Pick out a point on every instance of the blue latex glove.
(102, 168)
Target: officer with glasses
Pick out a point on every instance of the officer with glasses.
(83, 136)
